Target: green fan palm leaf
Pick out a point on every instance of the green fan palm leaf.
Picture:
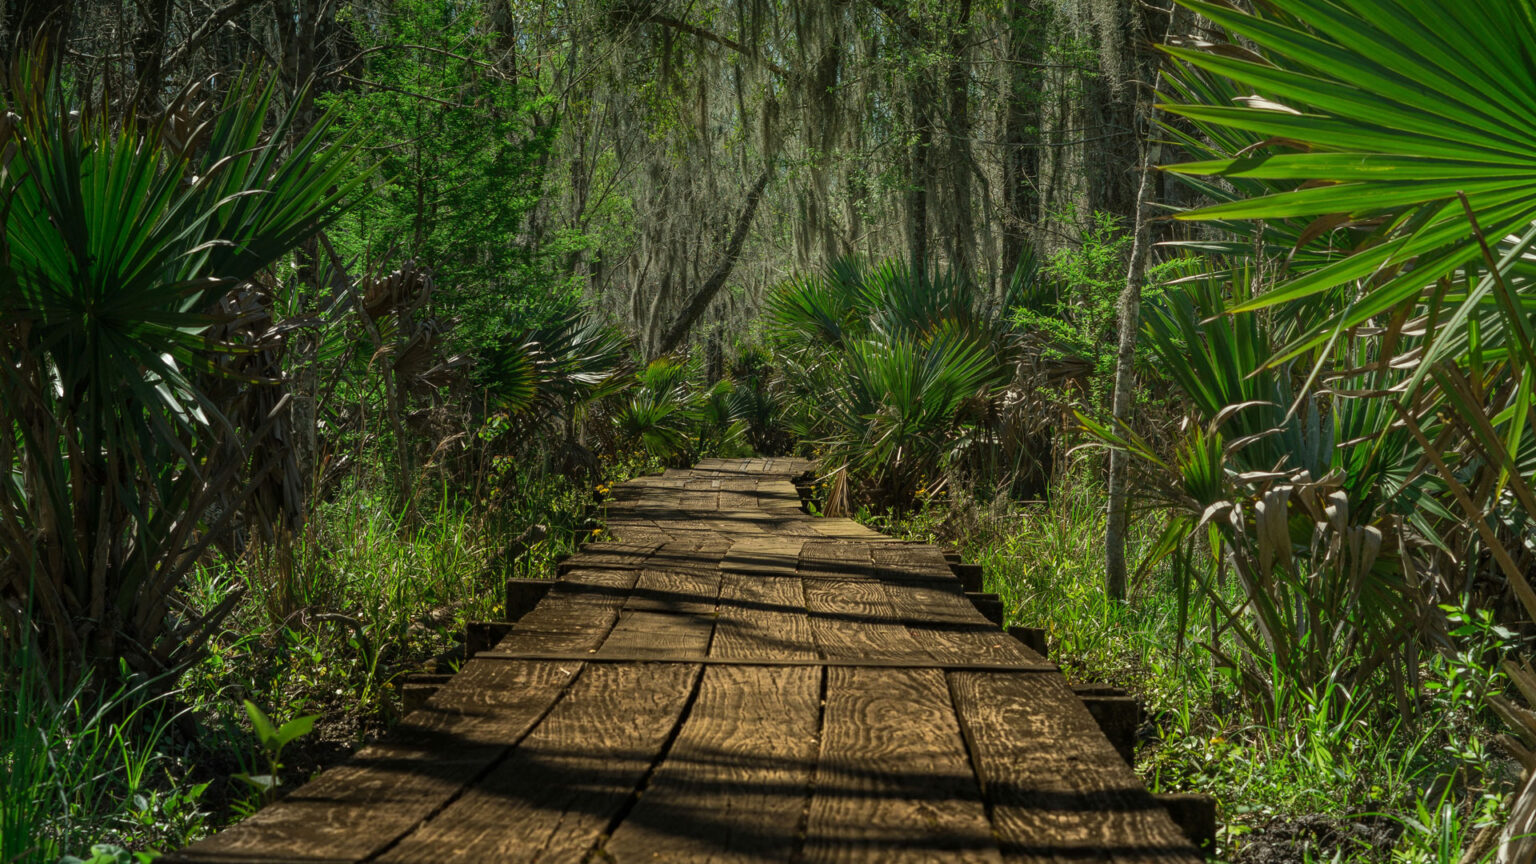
(1399, 109)
(117, 251)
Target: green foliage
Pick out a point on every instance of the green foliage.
(271, 738)
(674, 416)
(890, 372)
(1378, 115)
(758, 399)
(1397, 204)
(896, 419)
(1073, 301)
(550, 372)
(106, 853)
(464, 147)
(1301, 497)
(1358, 458)
(74, 768)
(118, 249)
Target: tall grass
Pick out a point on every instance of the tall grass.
(90, 766)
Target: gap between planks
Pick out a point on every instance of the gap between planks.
(913, 663)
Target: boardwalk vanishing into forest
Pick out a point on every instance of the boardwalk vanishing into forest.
(732, 680)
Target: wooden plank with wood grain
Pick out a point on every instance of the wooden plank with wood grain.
(894, 782)
(576, 615)
(1056, 786)
(385, 790)
(738, 776)
(554, 797)
(947, 626)
(853, 619)
(762, 617)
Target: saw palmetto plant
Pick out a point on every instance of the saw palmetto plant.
(117, 250)
(898, 376)
(1311, 497)
(1378, 157)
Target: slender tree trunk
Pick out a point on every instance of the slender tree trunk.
(1130, 324)
(148, 52)
(920, 172)
(1125, 357)
(1021, 131)
(963, 241)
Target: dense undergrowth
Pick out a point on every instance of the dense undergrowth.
(1307, 779)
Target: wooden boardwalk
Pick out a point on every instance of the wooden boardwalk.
(732, 680)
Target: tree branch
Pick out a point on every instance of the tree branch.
(641, 17)
(706, 293)
(214, 21)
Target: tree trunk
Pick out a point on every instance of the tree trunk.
(920, 171)
(148, 52)
(1129, 324)
(1125, 357)
(963, 238)
(694, 308)
(1021, 131)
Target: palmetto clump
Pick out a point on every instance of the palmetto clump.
(118, 252)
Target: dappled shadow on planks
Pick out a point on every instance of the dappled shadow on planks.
(753, 751)
(814, 692)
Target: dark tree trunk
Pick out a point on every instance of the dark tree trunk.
(148, 54)
(958, 81)
(920, 172)
(1021, 131)
(693, 310)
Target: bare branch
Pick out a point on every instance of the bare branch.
(214, 21)
(640, 17)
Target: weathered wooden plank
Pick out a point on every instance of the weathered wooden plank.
(699, 549)
(847, 529)
(835, 559)
(853, 619)
(644, 633)
(360, 807)
(1056, 787)
(893, 781)
(701, 493)
(909, 560)
(636, 531)
(599, 556)
(735, 783)
(738, 495)
(762, 617)
(715, 660)
(691, 591)
(764, 556)
(670, 613)
(575, 615)
(949, 629)
(553, 797)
